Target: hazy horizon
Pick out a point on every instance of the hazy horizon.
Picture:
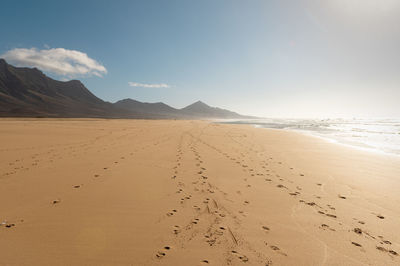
(282, 59)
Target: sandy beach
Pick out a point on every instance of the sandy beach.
(143, 192)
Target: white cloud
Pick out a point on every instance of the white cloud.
(144, 85)
(60, 61)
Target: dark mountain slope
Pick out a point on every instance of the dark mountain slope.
(27, 92)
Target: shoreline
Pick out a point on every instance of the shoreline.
(337, 142)
(354, 145)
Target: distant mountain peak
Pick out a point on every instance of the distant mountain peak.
(200, 109)
(198, 104)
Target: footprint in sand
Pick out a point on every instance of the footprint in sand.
(171, 213)
(277, 249)
(325, 226)
(176, 229)
(56, 201)
(274, 248)
(242, 213)
(266, 228)
(161, 254)
(8, 225)
(392, 252)
(330, 207)
(331, 215)
(356, 244)
(243, 258)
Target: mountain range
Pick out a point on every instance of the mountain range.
(28, 92)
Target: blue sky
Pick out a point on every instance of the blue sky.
(295, 58)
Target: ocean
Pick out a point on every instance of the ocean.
(382, 135)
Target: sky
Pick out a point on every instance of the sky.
(278, 58)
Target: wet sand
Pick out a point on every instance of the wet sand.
(139, 192)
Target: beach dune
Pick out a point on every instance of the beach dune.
(148, 192)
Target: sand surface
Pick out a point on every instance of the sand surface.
(126, 192)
